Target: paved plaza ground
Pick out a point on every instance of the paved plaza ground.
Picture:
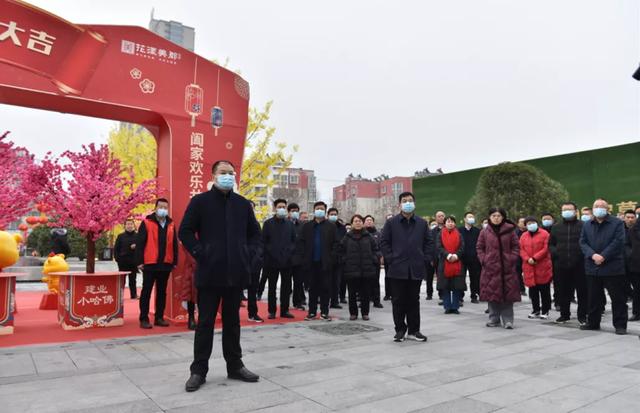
(342, 366)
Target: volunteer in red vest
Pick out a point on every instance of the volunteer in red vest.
(156, 255)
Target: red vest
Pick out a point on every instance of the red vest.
(151, 249)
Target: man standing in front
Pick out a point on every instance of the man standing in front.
(157, 255)
(407, 247)
(220, 230)
(602, 243)
(470, 234)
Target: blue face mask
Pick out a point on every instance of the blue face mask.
(600, 212)
(547, 223)
(408, 207)
(295, 215)
(319, 213)
(585, 218)
(225, 182)
(532, 227)
(162, 213)
(281, 212)
(471, 221)
(568, 214)
(333, 218)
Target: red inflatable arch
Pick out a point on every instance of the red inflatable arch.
(196, 110)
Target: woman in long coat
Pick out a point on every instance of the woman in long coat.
(498, 251)
(451, 271)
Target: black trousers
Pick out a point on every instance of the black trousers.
(541, 292)
(430, 273)
(374, 287)
(252, 291)
(298, 286)
(285, 288)
(336, 279)
(262, 283)
(319, 287)
(359, 288)
(634, 278)
(519, 272)
(208, 304)
(406, 305)
(159, 278)
(343, 289)
(566, 281)
(133, 272)
(474, 268)
(616, 286)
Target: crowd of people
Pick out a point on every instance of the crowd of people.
(319, 260)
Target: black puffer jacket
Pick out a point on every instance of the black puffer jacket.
(564, 244)
(359, 255)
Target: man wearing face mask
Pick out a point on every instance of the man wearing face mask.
(602, 243)
(156, 254)
(336, 273)
(220, 230)
(470, 234)
(316, 249)
(279, 240)
(124, 251)
(407, 247)
(568, 264)
(299, 299)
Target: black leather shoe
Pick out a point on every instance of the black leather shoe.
(194, 382)
(243, 375)
(621, 331)
(589, 327)
(287, 315)
(161, 322)
(145, 324)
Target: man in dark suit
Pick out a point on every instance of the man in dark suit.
(220, 230)
(317, 246)
(407, 247)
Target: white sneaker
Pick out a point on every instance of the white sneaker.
(544, 316)
(534, 315)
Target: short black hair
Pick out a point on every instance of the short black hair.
(530, 219)
(450, 218)
(293, 206)
(369, 216)
(629, 211)
(218, 163)
(357, 216)
(333, 209)
(279, 201)
(468, 212)
(130, 219)
(319, 203)
(547, 213)
(404, 194)
(573, 204)
(161, 200)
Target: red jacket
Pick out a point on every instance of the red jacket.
(536, 245)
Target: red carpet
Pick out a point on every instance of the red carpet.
(34, 326)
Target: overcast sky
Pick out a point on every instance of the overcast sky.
(391, 87)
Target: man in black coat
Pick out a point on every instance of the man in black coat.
(336, 273)
(370, 227)
(156, 255)
(602, 243)
(470, 234)
(568, 263)
(124, 254)
(632, 248)
(220, 230)
(279, 240)
(299, 276)
(317, 247)
(407, 247)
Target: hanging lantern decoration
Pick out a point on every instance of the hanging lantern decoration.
(43, 219)
(32, 220)
(23, 227)
(42, 207)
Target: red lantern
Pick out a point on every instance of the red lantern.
(32, 220)
(23, 227)
(43, 219)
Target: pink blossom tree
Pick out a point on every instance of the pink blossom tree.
(19, 181)
(91, 191)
